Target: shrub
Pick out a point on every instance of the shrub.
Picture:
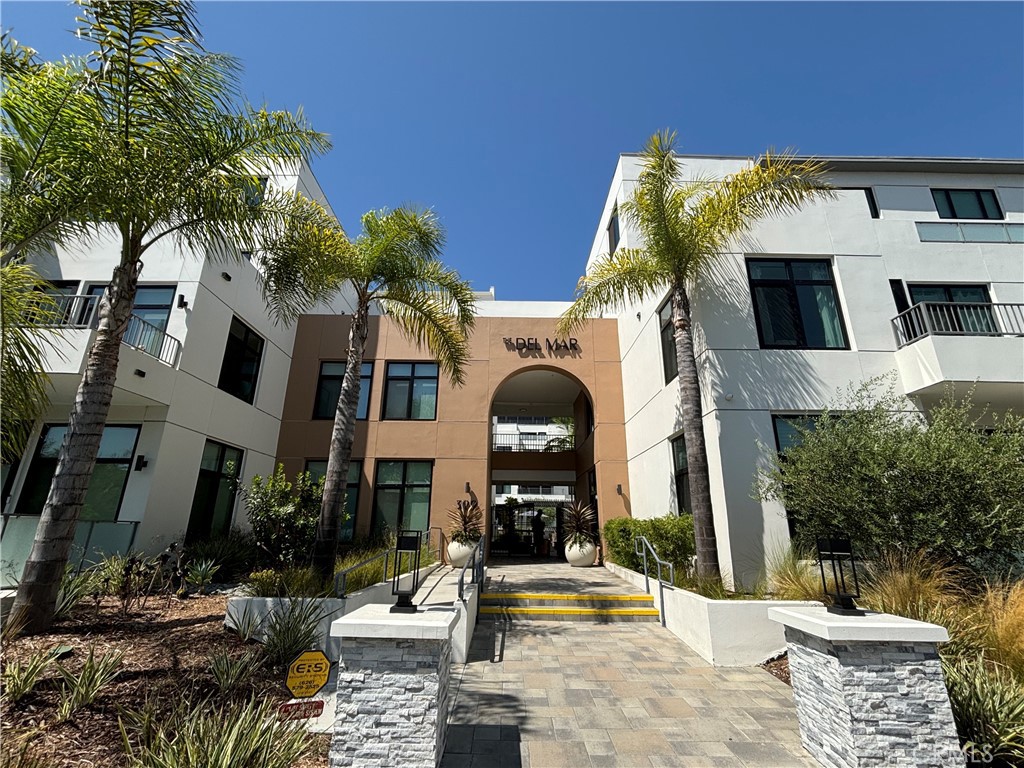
(291, 629)
(289, 582)
(73, 589)
(793, 576)
(374, 573)
(896, 484)
(671, 537)
(19, 679)
(1001, 614)
(204, 735)
(283, 516)
(81, 689)
(249, 625)
(235, 552)
(232, 673)
(988, 706)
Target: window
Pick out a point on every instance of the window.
(795, 304)
(241, 367)
(669, 361)
(152, 304)
(967, 204)
(970, 319)
(536, 490)
(317, 468)
(255, 190)
(410, 391)
(214, 501)
(613, 231)
(502, 490)
(328, 390)
(681, 472)
(108, 481)
(401, 495)
(789, 434)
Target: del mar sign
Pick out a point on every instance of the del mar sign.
(532, 344)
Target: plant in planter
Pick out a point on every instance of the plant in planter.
(467, 528)
(578, 527)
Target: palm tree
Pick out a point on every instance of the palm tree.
(686, 229)
(395, 264)
(171, 154)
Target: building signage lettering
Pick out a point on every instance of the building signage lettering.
(532, 343)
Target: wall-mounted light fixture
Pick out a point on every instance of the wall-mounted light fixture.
(182, 304)
(226, 276)
(467, 486)
(140, 463)
(618, 489)
(140, 373)
(637, 315)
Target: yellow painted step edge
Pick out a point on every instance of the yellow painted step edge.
(547, 610)
(533, 596)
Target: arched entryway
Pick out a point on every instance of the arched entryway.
(540, 420)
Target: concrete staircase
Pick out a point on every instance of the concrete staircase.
(600, 608)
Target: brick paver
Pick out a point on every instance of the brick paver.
(549, 694)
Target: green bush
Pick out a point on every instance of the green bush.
(952, 487)
(671, 537)
(283, 516)
(287, 582)
(81, 689)
(235, 552)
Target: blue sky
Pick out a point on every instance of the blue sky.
(507, 118)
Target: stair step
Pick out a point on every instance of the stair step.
(568, 613)
(565, 597)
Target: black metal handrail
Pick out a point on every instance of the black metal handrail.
(442, 543)
(341, 577)
(476, 559)
(947, 318)
(641, 546)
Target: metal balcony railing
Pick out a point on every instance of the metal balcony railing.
(512, 442)
(80, 311)
(934, 318)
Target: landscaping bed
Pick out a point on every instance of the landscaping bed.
(167, 648)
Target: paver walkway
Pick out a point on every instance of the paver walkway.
(549, 694)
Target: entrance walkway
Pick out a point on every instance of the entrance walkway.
(549, 694)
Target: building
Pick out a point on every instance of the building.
(916, 268)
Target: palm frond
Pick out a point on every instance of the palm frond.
(613, 281)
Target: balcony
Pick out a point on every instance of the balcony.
(80, 311)
(531, 443)
(979, 345)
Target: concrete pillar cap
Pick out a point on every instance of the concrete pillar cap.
(377, 621)
(871, 627)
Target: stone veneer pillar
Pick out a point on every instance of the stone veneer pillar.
(392, 692)
(869, 689)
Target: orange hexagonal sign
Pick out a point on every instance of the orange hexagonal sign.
(308, 673)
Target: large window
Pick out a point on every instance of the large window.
(669, 361)
(942, 318)
(401, 495)
(681, 472)
(242, 355)
(214, 499)
(410, 391)
(152, 304)
(795, 304)
(328, 389)
(317, 468)
(108, 480)
(967, 204)
(613, 231)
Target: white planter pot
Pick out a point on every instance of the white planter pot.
(458, 554)
(581, 557)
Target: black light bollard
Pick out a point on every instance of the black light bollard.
(838, 551)
(410, 544)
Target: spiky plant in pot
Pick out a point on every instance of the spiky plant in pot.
(578, 521)
(466, 530)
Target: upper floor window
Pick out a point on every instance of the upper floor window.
(613, 231)
(795, 304)
(241, 367)
(328, 390)
(967, 204)
(410, 391)
(669, 361)
(152, 303)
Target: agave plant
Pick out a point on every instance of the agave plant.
(466, 521)
(578, 525)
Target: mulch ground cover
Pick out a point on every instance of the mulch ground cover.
(167, 647)
(779, 667)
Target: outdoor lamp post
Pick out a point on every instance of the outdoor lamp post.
(408, 543)
(838, 551)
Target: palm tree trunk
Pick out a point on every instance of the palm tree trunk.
(325, 550)
(693, 431)
(44, 569)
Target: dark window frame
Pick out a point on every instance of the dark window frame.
(780, 452)
(947, 210)
(98, 289)
(403, 486)
(411, 378)
(348, 488)
(792, 282)
(869, 196)
(681, 477)
(613, 232)
(124, 486)
(669, 362)
(228, 373)
(365, 383)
